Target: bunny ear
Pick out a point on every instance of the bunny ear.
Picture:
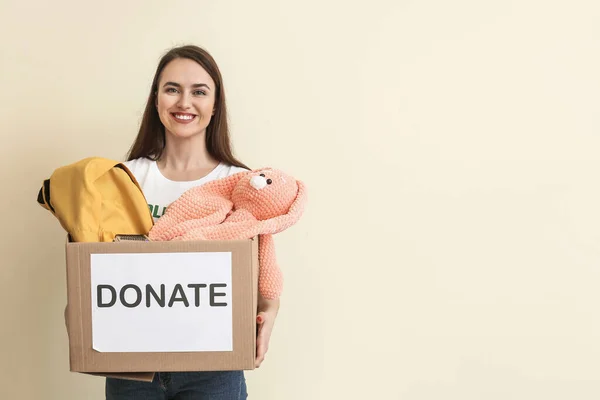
(282, 222)
(197, 203)
(222, 187)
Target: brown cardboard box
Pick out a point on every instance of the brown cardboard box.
(150, 292)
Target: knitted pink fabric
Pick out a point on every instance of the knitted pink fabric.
(260, 202)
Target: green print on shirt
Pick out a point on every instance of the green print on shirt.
(154, 210)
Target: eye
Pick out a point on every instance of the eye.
(171, 90)
(269, 181)
(199, 93)
(263, 175)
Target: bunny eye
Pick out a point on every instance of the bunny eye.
(263, 175)
(269, 181)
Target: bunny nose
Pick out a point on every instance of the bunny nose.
(258, 182)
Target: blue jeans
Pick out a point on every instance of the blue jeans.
(209, 385)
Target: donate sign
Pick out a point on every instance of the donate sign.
(161, 302)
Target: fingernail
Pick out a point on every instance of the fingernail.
(259, 318)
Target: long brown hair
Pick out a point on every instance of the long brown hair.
(150, 141)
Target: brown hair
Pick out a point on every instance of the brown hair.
(150, 141)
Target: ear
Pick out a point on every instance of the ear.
(282, 222)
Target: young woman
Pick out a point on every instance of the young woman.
(183, 141)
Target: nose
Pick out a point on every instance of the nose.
(258, 182)
(184, 101)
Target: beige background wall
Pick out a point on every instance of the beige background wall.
(451, 245)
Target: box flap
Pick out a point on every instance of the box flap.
(133, 376)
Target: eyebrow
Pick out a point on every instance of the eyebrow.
(195, 85)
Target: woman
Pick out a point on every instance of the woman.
(183, 142)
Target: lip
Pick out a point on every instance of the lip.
(183, 121)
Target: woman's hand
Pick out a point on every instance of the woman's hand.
(265, 320)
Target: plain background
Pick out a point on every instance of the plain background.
(451, 246)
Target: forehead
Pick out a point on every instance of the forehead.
(185, 72)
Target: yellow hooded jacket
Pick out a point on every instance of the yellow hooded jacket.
(96, 199)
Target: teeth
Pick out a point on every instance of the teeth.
(178, 116)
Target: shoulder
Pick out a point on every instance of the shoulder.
(228, 170)
(139, 167)
(138, 164)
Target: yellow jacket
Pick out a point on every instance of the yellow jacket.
(96, 199)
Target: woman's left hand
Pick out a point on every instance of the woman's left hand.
(265, 320)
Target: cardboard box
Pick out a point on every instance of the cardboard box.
(136, 308)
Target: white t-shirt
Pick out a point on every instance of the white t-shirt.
(160, 191)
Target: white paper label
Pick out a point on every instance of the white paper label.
(161, 302)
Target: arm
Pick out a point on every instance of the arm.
(267, 312)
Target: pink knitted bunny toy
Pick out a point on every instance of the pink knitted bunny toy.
(260, 202)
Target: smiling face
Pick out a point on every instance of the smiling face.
(185, 98)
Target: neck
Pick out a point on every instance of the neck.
(186, 154)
